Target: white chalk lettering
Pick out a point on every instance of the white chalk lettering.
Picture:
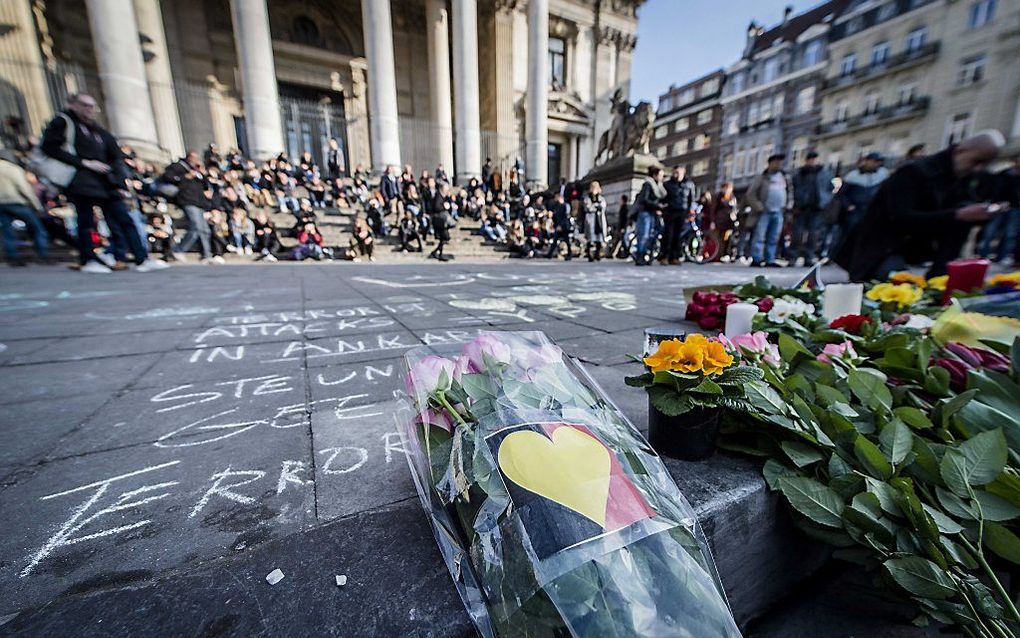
(218, 489)
(289, 474)
(360, 454)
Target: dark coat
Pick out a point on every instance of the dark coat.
(913, 214)
(560, 215)
(91, 141)
(680, 195)
(389, 187)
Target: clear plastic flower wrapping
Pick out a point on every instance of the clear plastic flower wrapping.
(553, 514)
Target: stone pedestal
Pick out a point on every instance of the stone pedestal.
(621, 176)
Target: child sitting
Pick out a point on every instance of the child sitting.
(309, 244)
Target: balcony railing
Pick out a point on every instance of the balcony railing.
(893, 63)
(914, 108)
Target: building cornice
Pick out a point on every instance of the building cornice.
(808, 70)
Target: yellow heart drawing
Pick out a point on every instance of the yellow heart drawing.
(572, 469)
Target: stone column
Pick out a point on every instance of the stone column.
(465, 87)
(507, 145)
(258, 77)
(438, 33)
(537, 125)
(126, 100)
(384, 127)
(161, 81)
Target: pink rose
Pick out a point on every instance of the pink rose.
(430, 374)
(754, 345)
(485, 346)
(436, 418)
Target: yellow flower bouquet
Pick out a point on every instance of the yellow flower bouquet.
(896, 296)
(689, 382)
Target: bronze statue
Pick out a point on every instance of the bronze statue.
(629, 132)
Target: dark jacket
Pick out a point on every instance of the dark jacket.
(651, 198)
(560, 215)
(681, 196)
(91, 141)
(913, 214)
(389, 187)
(192, 192)
(812, 188)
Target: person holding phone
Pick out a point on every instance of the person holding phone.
(923, 212)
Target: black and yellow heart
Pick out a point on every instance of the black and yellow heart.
(569, 467)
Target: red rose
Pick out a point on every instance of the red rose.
(765, 304)
(710, 322)
(849, 323)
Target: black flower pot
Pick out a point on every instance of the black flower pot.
(691, 436)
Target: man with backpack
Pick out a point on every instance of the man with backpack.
(93, 175)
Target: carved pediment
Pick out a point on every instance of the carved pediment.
(569, 106)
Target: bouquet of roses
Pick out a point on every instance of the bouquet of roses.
(553, 514)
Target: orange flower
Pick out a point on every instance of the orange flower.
(694, 354)
(716, 358)
(908, 278)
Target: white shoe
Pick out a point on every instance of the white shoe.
(219, 260)
(150, 265)
(95, 268)
(232, 248)
(271, 259)
(106, 258)
(247, 250)
(181, 257)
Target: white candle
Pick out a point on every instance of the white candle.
(738, 318)
(842, 299)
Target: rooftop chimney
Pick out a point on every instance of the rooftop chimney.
(787, 12)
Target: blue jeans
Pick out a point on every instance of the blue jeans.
(766, 236)
(643, 232)
(10, 212)
(1005, 227)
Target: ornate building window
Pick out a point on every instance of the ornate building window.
(957, 128)
(813, 53)
(916, 39)
(981, 13)
(557, 63)
(305, 31)
(848, 65)
(879, 54)
(805, 99)
(972, 70)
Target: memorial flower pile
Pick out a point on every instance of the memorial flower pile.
(900, 445)
(708, 309)
(553, 514)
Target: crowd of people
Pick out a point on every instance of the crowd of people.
(271, 210)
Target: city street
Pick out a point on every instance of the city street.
(171, 438)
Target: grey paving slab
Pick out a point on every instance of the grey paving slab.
(72, 378)
(31, 430)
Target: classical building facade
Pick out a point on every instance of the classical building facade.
(688, 123)
(770, 100)
(426, 82)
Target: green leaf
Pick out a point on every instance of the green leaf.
(896, 441)
(1003, 542)
(870, 388)
(920, 577)
(478, 386)
(995, 508)
(937, 381)
(827, 395)
(814, 500)
(801, 454)
(1014, 358)
(640, 381)
(955, 505)
(886, 495)
(707, 387)
(913, 417)
(977, 461)
(774, 472)
(789, 348)
(668, 401)
(1007, 486)
(946, 408)
(871, 459)
(764, 398)
(945, 524)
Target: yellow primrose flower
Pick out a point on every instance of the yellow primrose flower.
(716, 358)
(938, 283)
(694, 354)
(1005, 279)
(908, 278)
(903, 295)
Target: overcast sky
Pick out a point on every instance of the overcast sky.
(681, 40)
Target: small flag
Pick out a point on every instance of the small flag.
(812, 280)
